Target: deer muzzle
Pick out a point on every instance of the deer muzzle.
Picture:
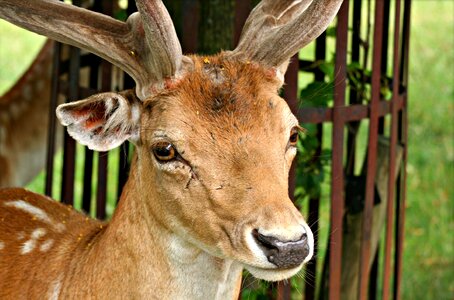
(283, 254)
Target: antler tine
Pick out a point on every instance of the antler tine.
(276, 30)
(161, 37)
(145, 46)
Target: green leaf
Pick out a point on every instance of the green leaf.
(331, 31)
(317, 93)
(328, 69)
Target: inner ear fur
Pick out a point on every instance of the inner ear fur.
(103, 121)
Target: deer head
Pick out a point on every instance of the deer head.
(214, 140)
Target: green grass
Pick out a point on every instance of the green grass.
(18, 48)
(428, 260)
(428, 257)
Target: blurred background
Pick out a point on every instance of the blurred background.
(429, 239)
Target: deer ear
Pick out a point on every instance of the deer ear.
(103, 121)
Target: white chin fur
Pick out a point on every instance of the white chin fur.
(273, 274)
(310, 241)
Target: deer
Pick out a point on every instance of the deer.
(207, 194)
(23, 129)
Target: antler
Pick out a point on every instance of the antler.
(276, 30)
(145, 46)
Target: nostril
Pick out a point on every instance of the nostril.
(265, 241)
(283, 254)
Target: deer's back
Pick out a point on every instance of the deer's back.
(38, 239)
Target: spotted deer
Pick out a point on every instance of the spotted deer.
(207, 195)
(23, 122)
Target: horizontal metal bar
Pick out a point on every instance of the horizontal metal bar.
(355, 112)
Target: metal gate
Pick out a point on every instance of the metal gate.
(368, 91)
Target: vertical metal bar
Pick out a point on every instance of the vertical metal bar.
(392, 156)
(284, 290)
(314, 203)
(371, 152)
(403, 138)
(101, 192)
(51, 134)
(123, 169)
(242, 10)
(88, 176)
(337, 176)
(69, 148)
(190, 28)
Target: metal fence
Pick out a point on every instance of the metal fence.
(375, 100)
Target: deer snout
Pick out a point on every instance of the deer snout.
(284, 254)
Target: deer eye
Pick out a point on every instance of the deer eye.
(293, 137)
(164, 151)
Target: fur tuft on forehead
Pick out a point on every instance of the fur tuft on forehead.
(220, 89)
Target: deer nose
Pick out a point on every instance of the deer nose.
(283, 254)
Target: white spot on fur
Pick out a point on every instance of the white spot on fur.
(28, 246)
(36, 212)
(46, 245)
(38, 233)
(54, 293)
(28, 208)
(2, 245)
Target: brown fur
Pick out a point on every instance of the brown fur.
(185, 226)
(229, 184)
(31, 273)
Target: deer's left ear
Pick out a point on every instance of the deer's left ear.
(103, 121)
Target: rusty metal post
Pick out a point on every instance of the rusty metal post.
(189, 38)
(337, 176)
(51, 133)
(242, 10)
(69, 152)
(371, 152)
(392, 156)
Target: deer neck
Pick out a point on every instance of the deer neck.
(158, 261)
